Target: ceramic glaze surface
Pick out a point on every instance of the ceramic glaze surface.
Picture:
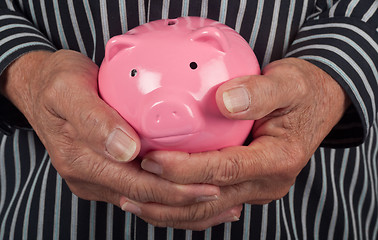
(162, 78)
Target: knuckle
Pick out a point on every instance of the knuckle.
(76, 189)
(292, 161)
(193, 213)
(199, 212)
(232, 167)
(66, 173)
(282, 192)
(138, 192)
(277, 191)
(302, 88)
(299, 81)
(91, 122)
(194, 217)
(96, 128)
(63, 161)
(166, 219)
(259, 104)
(51, 91)
(155, 221)
(229, 170)
(75, 168)
(178, 199)
(301, 85)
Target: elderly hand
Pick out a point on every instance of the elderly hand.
(295, 105)
(90, 145)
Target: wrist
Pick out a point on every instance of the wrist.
(16, 79)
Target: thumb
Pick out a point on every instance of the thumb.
(252, 97)
(95, 124)
(108, 132)
(103, 130)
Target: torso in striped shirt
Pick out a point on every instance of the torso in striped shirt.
(335, 195)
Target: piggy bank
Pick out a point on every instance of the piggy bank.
(162, 77)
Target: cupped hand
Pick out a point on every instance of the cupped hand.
(90, 145)
(295, 105)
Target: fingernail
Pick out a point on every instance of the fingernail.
(229, 216)
(151, 166)
(120, 146)
(236, 100)
(231, 219)
(207, 198)
(223, 218)
(132, 208)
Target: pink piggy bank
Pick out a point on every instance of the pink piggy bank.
(162, 78)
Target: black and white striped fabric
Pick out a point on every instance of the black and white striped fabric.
(334, 197)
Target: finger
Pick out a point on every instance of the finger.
(253, 97)
(266, 157)
(258, 183)
(194, 217)
(188, 194)
(130, 180)
(231, 215)
(210, 213)
(146, 187)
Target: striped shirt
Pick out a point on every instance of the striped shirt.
(334, 197)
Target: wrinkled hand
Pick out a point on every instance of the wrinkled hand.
(90, 145)
(295, 104)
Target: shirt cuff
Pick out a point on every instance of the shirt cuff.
(345, 48)
(18, 36)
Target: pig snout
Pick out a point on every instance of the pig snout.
(171, 119)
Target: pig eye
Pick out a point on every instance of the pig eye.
(133, 72)
(193, 65)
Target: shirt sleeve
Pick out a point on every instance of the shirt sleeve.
(18, 36)
(342, 39)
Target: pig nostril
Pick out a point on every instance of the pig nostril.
(172, 22)
(174, 114)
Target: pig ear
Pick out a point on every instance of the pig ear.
(211, 35)
(117, 44)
